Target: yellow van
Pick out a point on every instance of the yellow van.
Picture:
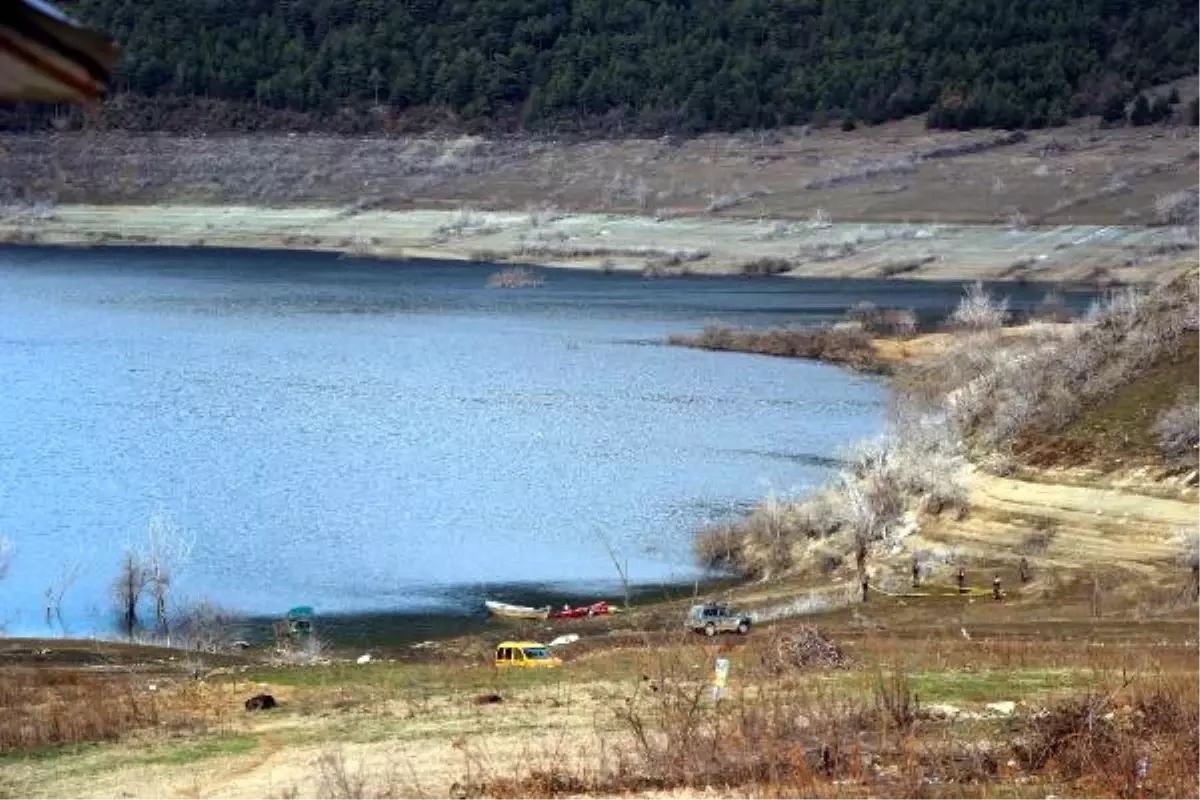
(525, 654)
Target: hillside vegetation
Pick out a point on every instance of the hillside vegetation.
(635, 65)
(1115, 390)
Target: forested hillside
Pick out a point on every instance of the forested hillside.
(640, 65)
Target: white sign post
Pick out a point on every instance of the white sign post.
(720, 679)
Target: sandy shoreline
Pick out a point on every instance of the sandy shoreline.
(697, 245)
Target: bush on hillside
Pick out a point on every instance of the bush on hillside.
(1178, 432)
(978, 310)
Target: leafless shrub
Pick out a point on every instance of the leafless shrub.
(896, 699)
(901, 322)
(338, 780)
(765, 266)
(514, 278)
(979, 145)
(1017, 221)
(820, 219)
(836, 345)
(1189, 546)
(866, 314)
(979, 310)
(569, 250)
(721, 547)
(858, 173)
(1052, 308)
(890, 269)
(727, 201)
(762, 543)
(778, 230)
(871, 502)
(1178, 431)
(467, 223)
(540, 217)
(206, 627)
(1057, 735)
(919, 464)
(1178, 208)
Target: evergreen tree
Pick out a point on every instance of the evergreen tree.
(594, 65)
(1160, 110)
(1141, 114)
(1114, 109)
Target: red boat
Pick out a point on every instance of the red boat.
(594, 610)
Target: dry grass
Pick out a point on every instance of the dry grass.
(47, 708)
(893, 172)
(871, 735)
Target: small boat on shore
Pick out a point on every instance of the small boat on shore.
(516, 612)
(600, 609)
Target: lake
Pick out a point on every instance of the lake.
(374, 437)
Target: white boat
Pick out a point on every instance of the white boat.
(516, 612)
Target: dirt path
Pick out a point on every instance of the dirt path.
(1068, 525)
(353, 745)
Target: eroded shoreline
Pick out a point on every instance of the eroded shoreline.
(654, 246)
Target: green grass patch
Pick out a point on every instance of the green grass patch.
(215, 748)
(47, 753)
(1120, 428)
(398, 677)
(991, 685)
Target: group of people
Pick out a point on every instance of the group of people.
(1023, 572)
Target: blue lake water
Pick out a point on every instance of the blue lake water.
(374, 437)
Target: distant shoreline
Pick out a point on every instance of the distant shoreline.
(655, 247)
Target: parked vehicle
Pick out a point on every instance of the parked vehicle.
(713, 618)
(530, 655)
(516, 612)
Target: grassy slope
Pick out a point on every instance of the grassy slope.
(1119, 431)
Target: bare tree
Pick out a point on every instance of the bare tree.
(205, 626)
(127, 591)
(55, 593)
(168, 550)
(6, 549)
(622, 565)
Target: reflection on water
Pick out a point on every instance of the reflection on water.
(381, 437)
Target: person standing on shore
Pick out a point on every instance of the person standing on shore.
(962, 580)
